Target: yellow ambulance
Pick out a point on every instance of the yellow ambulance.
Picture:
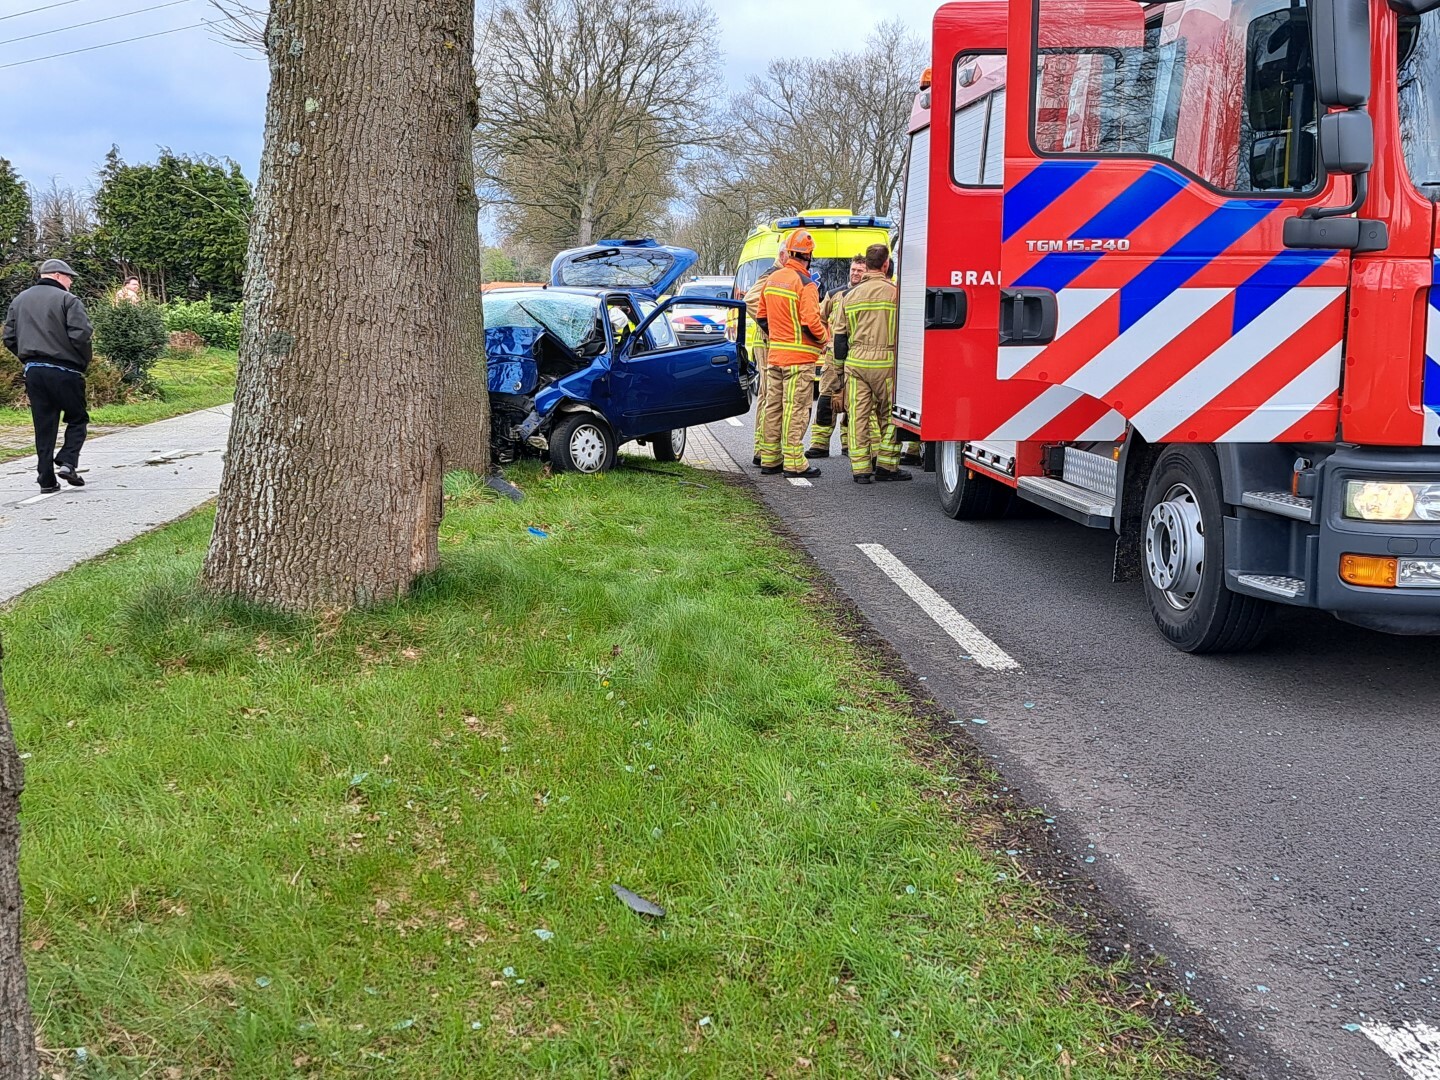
(840, 235)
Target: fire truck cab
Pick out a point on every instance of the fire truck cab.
(1179, 285)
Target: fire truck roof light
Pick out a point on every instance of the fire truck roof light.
(851, 221)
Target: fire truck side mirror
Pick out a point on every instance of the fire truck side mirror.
(1347, 142)
(1340, 36)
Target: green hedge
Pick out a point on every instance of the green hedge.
(220, 328)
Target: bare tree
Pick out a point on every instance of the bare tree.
(241, 24)
(332, 487)
(61, 215)
(827, 132)
(588, 108)
(17, 1029)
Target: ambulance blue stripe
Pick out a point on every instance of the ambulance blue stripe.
(1046, 183)
(1272, 281)
(1188, 256)
(1134, 206)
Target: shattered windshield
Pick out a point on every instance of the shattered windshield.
(615, 268)
(571, 317)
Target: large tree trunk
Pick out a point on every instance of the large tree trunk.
(17, 1031)
(332, 489)
(467, 399)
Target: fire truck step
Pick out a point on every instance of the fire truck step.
(1068, 500)
(1272, 586)
(1279, 502)
(1094, 472)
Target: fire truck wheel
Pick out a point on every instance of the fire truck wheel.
(966, 495)
(1183, 547)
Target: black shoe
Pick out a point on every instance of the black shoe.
(69, 475)
(816, 452)
(862, 478)
(49, 489)
(891, 475)
(808, 474)
(755, 460)
(911, 459)
(771, 470)
(844, 451)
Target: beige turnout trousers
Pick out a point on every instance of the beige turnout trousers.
(787, 415)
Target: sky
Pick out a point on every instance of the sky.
(193, 93)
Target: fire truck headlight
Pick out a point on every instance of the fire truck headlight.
(1427, 502)
(1376, 500)
(1419, 574)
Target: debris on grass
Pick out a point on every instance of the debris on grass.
(638, 904)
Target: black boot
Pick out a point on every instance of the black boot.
(808, 474)
(862, 478)
(890, 475)
(771, 470)
(817, 452)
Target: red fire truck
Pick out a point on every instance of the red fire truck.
(1178, 285)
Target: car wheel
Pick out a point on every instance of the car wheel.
(965, 495)
(668, 445)
(1183, 546)
(582, 443)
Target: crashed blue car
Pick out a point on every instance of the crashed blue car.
(591, 360)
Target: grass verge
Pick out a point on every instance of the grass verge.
(266, 846)
(186, 383)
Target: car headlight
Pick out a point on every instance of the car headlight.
(1385, 500)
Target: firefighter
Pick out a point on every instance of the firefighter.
(830, 409)
(759, 346)
(789, 314)
(864, 326)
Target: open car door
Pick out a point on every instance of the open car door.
(659, 384)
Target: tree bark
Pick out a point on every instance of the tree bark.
(17, 1030)
(467, 398)
(332, 488)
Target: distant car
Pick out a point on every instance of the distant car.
(591, 360)
(703, 324)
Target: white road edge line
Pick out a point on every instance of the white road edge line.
(984, 651)
(1414, 1047)
(37, 498)
(799, 481)
(734, 421)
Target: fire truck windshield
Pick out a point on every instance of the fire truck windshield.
(1420, 99)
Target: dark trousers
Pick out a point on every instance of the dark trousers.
(52, 392)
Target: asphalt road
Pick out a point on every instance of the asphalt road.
(1268, 822)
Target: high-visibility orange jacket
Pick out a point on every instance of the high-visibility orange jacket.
(790, 303)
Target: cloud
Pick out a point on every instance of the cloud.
(187, 91)
(193, 93)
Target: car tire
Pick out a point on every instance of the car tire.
(1182, 547)
(668, 445)
(582, 442)
(966, 495)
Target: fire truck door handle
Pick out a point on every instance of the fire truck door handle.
(1028, 316)
(946, 309)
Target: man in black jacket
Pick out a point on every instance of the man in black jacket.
(47, 328)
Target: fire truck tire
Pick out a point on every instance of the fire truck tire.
(1182, 546)
(966, 495)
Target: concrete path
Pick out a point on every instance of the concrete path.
(135, 481)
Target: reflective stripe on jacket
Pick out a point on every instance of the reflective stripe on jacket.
(867, 314)
(790, 302)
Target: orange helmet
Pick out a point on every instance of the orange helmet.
(799, 242)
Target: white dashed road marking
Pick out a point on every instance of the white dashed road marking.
(1414, 1047)
(799, 481)
(37, 498)
(984, 651)
(734, 421)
